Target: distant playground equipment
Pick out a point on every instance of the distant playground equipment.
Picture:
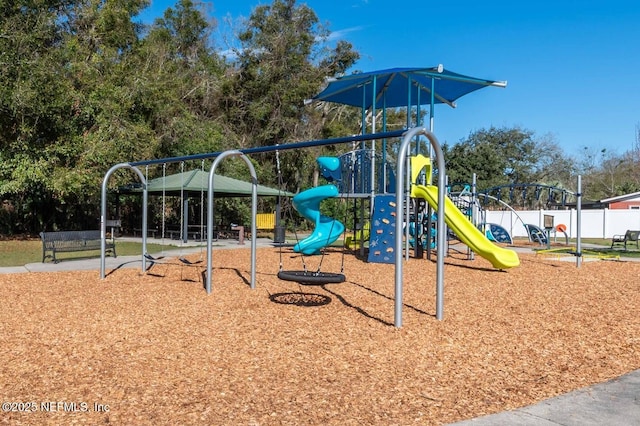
(562, 251)
(495, 230)
(548, 221)
(561, 227)
(496, 233)
(543, 236)
(536, 234)
(547, 232)
(541, 194)
(529, 194)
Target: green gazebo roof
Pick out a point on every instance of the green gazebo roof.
(196, 181)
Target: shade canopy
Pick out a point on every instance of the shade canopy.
(197, 181)
(402, 87)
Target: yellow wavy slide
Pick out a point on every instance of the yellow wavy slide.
(500, 258)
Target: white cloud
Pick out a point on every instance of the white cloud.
(335, 35)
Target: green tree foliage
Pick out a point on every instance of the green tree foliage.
(283, 59)
(510, 156)
(496, 156)
(34, 104)
(276, 69)
(607, 174)
(84, 85)
(82, 90)
(179, 75)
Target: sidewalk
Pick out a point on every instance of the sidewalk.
(616, 402)
(112, 263)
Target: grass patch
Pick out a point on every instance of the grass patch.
(606, 242)
(591, 247)
(21, 252)
(595, 251)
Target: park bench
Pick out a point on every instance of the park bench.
(623, 240)
(68, 241)
(151, 232)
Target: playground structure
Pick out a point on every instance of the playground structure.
(542, 232)
(392, 248)
(308, 202)
(531, 194)
(499, 257)
(407, 137)
(399, 87)
(497, 233)
(218, 156)
(458, 221)
(536, 233)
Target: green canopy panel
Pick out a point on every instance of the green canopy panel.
(197, 181)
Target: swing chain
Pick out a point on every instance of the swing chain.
(280, 183)
(164, 182)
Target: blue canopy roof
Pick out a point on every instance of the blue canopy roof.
(400, 87)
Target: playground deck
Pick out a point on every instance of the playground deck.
(156, 349)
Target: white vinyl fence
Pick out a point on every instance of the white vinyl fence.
(603, 223)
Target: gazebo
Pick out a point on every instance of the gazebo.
(196, 183)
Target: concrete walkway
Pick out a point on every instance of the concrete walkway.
(613, 403)
(112, 263)
(616, 402)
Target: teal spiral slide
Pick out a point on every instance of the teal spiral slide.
(327, 230)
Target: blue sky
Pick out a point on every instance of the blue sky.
(572, 67)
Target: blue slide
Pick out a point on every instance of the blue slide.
(327, 229)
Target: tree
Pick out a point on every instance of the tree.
(497, 157)
(179, 78)
(34, 104)
(83, 86)
(283, 59)
(513, 157)
(71, 106)
(607, 174)
(553, 166)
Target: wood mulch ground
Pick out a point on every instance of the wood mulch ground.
(155, 349)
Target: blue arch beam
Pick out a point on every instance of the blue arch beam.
(283, 147)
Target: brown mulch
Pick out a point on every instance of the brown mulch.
(156, 349)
